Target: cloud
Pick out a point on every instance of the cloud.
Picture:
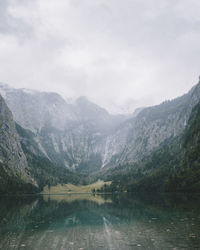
(115, 52)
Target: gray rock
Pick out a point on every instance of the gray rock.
(12, 158)
(74, 135)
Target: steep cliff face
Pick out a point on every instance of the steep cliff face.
(152, 126)
(44, 170)
(174, 166)
(70, 135)
(15, 172)
(34, 110)
(85, 138)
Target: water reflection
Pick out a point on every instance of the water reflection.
(100, 222)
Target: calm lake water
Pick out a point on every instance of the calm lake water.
(97, 222)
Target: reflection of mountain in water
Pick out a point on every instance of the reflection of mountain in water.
(74, 197)
(125, 223)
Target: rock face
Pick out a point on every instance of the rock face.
(70, 135)
(34, 110)
(13, 162)
(155, 124)
(137, 137)
(86, 138)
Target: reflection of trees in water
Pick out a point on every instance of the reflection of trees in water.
(153, 213)
(30, 210)
(15, 211)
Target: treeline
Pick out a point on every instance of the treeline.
(174, 166)
(12, 183)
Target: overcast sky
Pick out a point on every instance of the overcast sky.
(118, 53)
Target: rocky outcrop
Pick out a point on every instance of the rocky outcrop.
(13, 164)
(139, 136)
(70, 135)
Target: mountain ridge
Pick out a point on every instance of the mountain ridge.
(85, 130)
(83, 140)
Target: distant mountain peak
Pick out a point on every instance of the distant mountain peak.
(82, 100)
(3, 85)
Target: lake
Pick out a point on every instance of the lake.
(119, 221)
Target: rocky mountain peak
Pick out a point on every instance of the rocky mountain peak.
(76, 134)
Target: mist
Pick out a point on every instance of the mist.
(120, 54)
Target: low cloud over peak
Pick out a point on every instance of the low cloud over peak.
(117, 53)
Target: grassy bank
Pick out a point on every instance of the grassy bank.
(70, 188)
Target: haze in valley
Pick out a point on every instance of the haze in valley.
(120, 54)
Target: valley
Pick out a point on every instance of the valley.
(62, 146)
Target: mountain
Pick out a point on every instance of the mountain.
(15, 172)
(42, 169)
(34, 110)
(69, 135)
(82, 141)
(154, 125)
(185, 176)
(173, 166)
(99, 118)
